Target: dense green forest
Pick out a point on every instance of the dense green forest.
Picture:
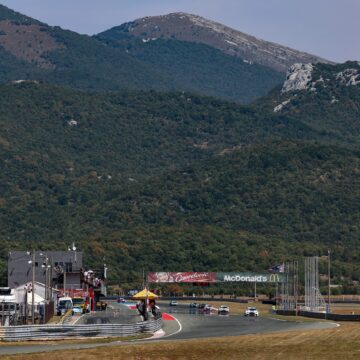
(131, 133)
(176, 181)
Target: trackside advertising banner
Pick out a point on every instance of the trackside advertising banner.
(213, 277)
(181, 277)
(250, 277)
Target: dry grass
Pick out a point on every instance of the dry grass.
(337, 343)
(76, 340)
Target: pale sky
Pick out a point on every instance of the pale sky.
(328, 28)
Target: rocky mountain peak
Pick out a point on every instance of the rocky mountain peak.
(194, 28)
(301, 77)
(316, 79)
(298, 77)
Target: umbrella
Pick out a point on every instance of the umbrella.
(144, 294)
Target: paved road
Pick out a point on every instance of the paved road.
(195, 325)
(190, 325)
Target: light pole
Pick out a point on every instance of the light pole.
(64, 281)
(47, 264)
(47, 267)
(33, 287)
(33, 266)
(329, 291)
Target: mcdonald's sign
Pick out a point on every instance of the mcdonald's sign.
(274, 278)
(250, 277)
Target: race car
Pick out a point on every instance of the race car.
(251, 311)
(223, 309)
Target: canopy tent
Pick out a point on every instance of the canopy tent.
(144, 294)
(37, 299)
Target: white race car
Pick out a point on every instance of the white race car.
(251, 311)
(223, 309)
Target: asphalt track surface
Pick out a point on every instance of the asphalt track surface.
(188, 324)
(195, 325)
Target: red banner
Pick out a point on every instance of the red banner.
(181, 277)
(73, 293)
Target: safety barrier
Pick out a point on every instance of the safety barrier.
(321, 315)
(58, 332)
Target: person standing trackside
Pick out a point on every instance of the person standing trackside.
(141, 307)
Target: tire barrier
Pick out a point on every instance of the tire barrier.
(60, 332)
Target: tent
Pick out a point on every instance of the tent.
(37, 299)
(144, 294)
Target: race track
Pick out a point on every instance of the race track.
(194, 325)
(183, 324)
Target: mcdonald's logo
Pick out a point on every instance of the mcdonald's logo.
(274, 278)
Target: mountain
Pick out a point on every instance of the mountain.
(199, 68)
(33, 50)
(193, 28)
(161, 180)
(36, 51)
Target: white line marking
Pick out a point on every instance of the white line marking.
(77, 319)
(158, 334)
(176, 332)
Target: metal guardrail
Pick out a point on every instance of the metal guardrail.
(58, 332)
(321, 315)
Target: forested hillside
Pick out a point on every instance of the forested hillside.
(173, 181)
(133, 133)
(255, 206)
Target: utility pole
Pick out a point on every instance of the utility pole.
(51, 278)
(33, 289)
(329, 291)
(46, 279)
(64, 284)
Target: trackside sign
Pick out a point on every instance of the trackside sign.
(250, 277)
(214, 277)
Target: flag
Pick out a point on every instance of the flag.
(280, 268)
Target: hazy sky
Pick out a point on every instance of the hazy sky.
(328, 28)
